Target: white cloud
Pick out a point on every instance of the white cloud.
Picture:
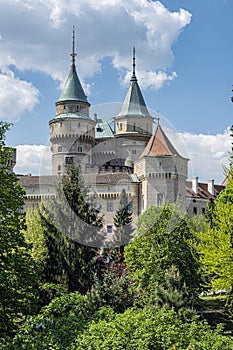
(155, 80)
(37, 36)
(208, 154)
(33, 159)
(16, 96)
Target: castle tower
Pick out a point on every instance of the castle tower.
(72, 131)
(133, 124)
(162, 171)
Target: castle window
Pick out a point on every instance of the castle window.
(58, 168)
(64, 107)
(134, 127)
(134, 151)
(109, 206)
(120, 126)
(194, 210)
(80, 149)
(59, 148)
(78, 107)
(69, 160)
(109, 228)
(60, 124)
(160, 199)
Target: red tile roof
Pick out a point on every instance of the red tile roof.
(203, 192)
(159, 144)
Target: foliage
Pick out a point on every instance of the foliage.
(123, 221)
(34, 235)
(71, 226)
(114, 288)
(145, 329)
(162, 241)
(18, 276)
(174, 295)
(57, 325)
(215, 243)
(74, 322)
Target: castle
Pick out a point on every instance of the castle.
(132, 156)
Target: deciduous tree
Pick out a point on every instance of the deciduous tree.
(18, 275)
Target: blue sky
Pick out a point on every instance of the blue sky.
(184, 67)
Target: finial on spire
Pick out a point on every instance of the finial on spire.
(134, 65)
(73, 54)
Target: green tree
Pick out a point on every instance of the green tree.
(57, 324)
(123, 221)
(162, 241)
(18, 276)
(73, 232)
(215, 243)
(34, 235)
(76, 322)
(173, 294)
(146, 329)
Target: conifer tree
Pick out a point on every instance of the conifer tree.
(123, 221)
(73, 230)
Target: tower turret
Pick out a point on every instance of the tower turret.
(134, 117)
(162, 171)
(72, 131)
(133, 124)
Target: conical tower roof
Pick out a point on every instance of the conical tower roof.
(159, 145)
(134, 103)
(73, 90)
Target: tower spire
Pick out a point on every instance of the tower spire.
(134, 65)
(73, 54)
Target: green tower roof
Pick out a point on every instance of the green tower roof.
(73, 90)
(134, 103)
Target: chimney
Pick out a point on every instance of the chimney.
(195, 184)
(95, 117)
(211, 187)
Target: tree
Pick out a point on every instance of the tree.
(35, 237)
(76, 322)
(145, 329)
(18, 273)
(215, 242)
(162, 241)
(73, 232)
(123, 221)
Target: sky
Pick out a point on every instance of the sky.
(184, 60)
